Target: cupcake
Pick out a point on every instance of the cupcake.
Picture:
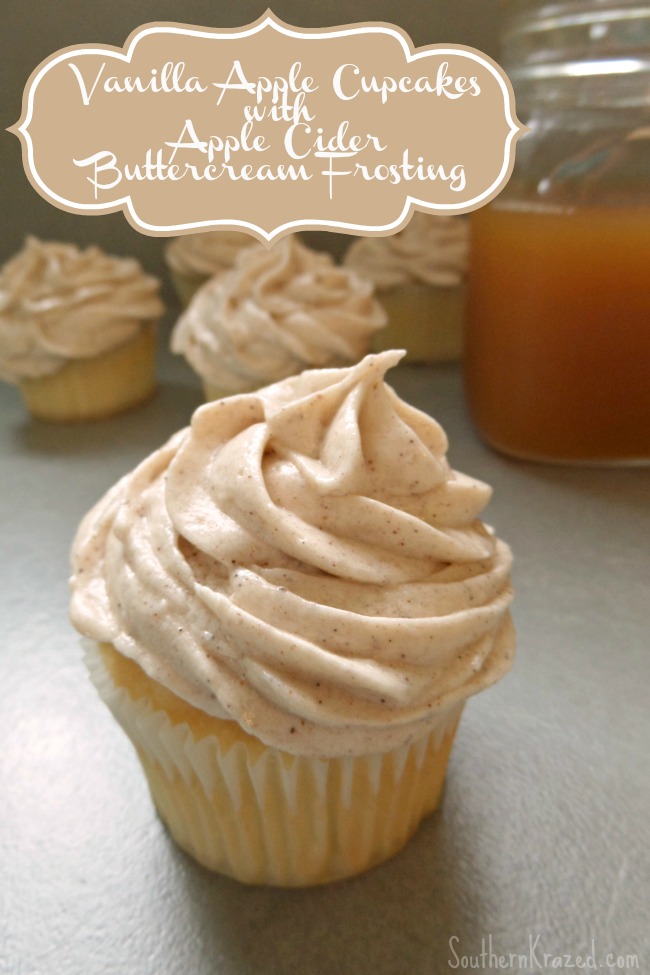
(195, 258)
(77, 331)
(277, 312)
(286, 607)
(419, 274)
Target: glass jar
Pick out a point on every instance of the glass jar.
(558, 334)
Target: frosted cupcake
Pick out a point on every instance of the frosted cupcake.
(290, 603)
(277, 312)
(419, 274)
(77, 330)
(195, 258)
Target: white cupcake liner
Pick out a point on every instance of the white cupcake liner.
(99, 386)
(266, 816)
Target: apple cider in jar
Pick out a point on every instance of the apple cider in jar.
(558, 347)
(558, 334)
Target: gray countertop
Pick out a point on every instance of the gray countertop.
(541, 846)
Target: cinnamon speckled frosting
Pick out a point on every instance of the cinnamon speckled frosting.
(276, 313)
(431, 249)
(206, 254)
(304, 561)
(58, 302)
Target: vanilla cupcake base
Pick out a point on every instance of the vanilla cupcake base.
(186, 285)
(91, 389)
(261, 815)
(212, 391)
(427, 321)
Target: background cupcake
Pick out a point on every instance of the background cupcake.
(277, 312)
(419, 274)
(77, 330)
(195, 258)
(293, 599)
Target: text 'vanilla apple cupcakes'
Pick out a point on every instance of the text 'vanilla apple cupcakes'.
(289, 604)
(278, 312)
(77, 331)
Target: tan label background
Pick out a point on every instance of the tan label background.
(85, 125)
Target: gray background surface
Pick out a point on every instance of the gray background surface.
(544, 831)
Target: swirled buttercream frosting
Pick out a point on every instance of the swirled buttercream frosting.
(58, 303)
(430, 249)
(303, 561)
(206, 254)
(278, 312)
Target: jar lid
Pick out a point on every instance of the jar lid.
(578, 52)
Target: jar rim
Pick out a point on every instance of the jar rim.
(553, 15)
(582, 68)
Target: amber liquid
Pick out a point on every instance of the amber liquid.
(558, 336)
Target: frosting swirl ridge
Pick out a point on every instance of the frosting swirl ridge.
(303, 561)
(208, 253)
(431, 248)
(276, 313)
(58, 302)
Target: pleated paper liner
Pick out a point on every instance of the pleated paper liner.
(261, 815)
(98, 387)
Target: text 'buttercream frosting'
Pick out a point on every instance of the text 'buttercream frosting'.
(304, 561)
